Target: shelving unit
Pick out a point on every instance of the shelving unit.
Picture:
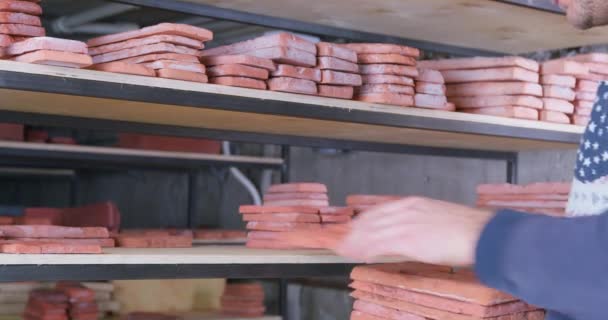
(54, 96)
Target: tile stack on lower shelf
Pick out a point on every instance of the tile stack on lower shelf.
(19, 20)
(339, 71)
(361, 202)
(165, 50)
(81, 301)
(47, 303)
(426, 292)
(12, 132)
(388, 73)
(506, 87)
(243, 300)
(14, 297)
(548, 198)
(239, 70)
(295, 58)
(43, 239)
(559, 79)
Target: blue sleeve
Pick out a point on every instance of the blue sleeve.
(559, 264)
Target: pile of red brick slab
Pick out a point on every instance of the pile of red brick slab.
(19, 20)
(339, 71)
(548, 198)
(431, 90)
(81, 301)
(560, 82)
(220, 235)
(165, 50)
(239, 70)
(294, 56)
(44, 239)
(507, 87)
(289, 208)
(50, 51)
(68, 301)
(167, 143)
(388, 73)
(12, 132)
(243, 300)
(362, 202)
(154, 238)
(423, 292)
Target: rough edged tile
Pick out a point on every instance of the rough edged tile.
(583, 104)
(297, 203)
(283, 217)
(17, 248)
(63, 248)
(497, 101)
(395, 69)
(558, 80)
(286, 70)
(183, 30)
(182, 75)
(286, 55)
(177, 65)
(596, 57)
(238, 71)
(251, 209)
(56, 58)
(5, 40)
(494, 89)
(479, 63)
(358, 315)
(338, 92)
(591, 76)
(282, 39)
(338, 211)
(20, 18)
(47, 43)
(20, 6)
(53, 232)
(309, 187)
(281, 226)
(450, 106)
(239, 82)
(387, 79)
(429, 101)
(382, 48)
(389, 58)
(564, 67)
(239, 59)
(383, 312)
(296, 195)
(104, 242)
(385, 88)
(490, 74)
(326, 49)
(558, 105)
(22, 30)
(554, 116)
(292, 85)
(585, 96)
(143, 50)
(137, 241)
(598, 68)
(124, 68)
(507, 111)
(186, 58)
(331, 63)
(429, 75)
(133, 43)
(340, 78)
(394, 99)
(587, 86)
(430, 88)
(557, 92)
(335, 218)
(580, 120)
(583, 111)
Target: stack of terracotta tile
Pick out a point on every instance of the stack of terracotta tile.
(243, 300)
(14, 297)
(12, 132)
(168, 143)
(81, 301)
(388, 73)
(339, 71)
(50, 51)
(104, 297)
(47, 304)
(165, 50)
(548, 198)
(336, 215)
(362, 202)
(219, 236)
(506, 87)
(587, 84)
(559, 80)
(239, 70)
(19, 20)
(295, 58)
(287, 208)
(416, 291)
(154, 238)
(45, 239)
(431, 90)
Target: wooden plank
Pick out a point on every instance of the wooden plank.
(218, 316)
(254, 122)
(481, 24)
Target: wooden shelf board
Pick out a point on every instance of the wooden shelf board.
(480, 24)
(374, 123)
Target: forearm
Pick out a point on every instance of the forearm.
(555, 263)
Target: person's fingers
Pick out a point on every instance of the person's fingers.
(371, 213)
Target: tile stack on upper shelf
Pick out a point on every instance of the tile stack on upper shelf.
(45, 239)
(559, 79)
(339, 71)
(239, 70)
(587, 85)
(388, 73)
(154, 238)
(165, 50)
(548, 198)
(243, 300)
(19, 20)
(507, 87)
(431, 90)
(417, 291)
(295, 58)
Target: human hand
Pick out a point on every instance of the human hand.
(419, 229)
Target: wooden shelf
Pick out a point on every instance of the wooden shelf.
(217, 316)
(77, 156)
(99, 99)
